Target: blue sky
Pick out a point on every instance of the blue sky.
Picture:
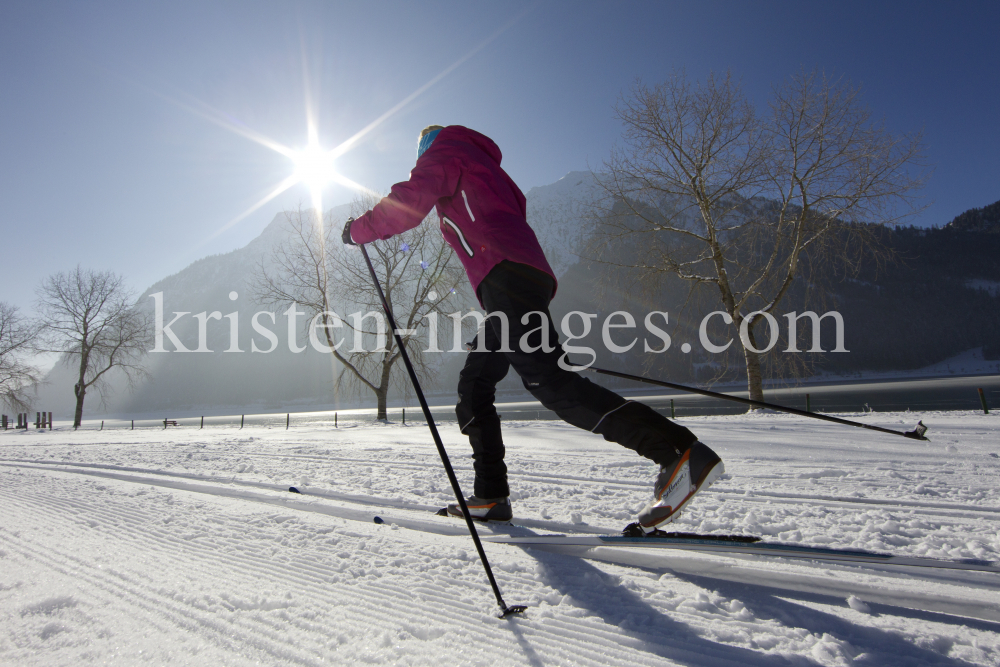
(111, 159)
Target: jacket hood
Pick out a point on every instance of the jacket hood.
(480, 141)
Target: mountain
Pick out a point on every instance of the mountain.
(559, 213)
(985, 219)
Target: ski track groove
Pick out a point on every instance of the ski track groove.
(375, 502)
(756, 496)
(458, 613)
(296, 509)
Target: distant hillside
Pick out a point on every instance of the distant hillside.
(217, 380)
(985, 219)
(941, 298)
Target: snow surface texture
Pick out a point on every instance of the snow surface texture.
(185, 547)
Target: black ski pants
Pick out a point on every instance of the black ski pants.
(517, 290)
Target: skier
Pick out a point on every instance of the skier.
(483, 218)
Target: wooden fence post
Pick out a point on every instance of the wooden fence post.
(672, 414)
(202, 422)
(242, 417)
(288, 420)
(982, 399)
(808, 404)
(335, 420)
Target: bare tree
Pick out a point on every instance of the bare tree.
(313, 269)
(90, 317)
(17, 340)
(706, 188)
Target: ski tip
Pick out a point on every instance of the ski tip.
(442, 512)
(293, 489)
(379, 519)
(513, 610)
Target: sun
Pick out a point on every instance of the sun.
(314, 167)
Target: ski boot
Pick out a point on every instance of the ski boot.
(677, 483)
(484, 509)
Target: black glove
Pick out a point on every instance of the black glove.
(347, 233)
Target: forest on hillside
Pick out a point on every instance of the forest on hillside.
(936, 296)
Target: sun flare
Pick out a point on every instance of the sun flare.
(314, 167)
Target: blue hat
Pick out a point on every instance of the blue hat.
(425, 142)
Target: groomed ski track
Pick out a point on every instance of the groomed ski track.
(188, 547)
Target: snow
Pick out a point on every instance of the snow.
(184, 546)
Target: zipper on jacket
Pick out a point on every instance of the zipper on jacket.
(467, 207)
(461, 236)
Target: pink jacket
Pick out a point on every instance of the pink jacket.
(480, 209)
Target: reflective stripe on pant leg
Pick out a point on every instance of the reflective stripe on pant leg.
(594, 430)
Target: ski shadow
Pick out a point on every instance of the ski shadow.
(877, 608)
(880, 646)
(652, 629)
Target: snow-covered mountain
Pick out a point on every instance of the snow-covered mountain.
(560, 215)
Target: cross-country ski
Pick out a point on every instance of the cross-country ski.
(710, 544)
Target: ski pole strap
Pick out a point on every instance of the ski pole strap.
(916, 434)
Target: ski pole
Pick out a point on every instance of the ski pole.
(917, 433)
(505, 610)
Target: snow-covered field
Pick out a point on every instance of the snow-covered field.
(184, 546)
